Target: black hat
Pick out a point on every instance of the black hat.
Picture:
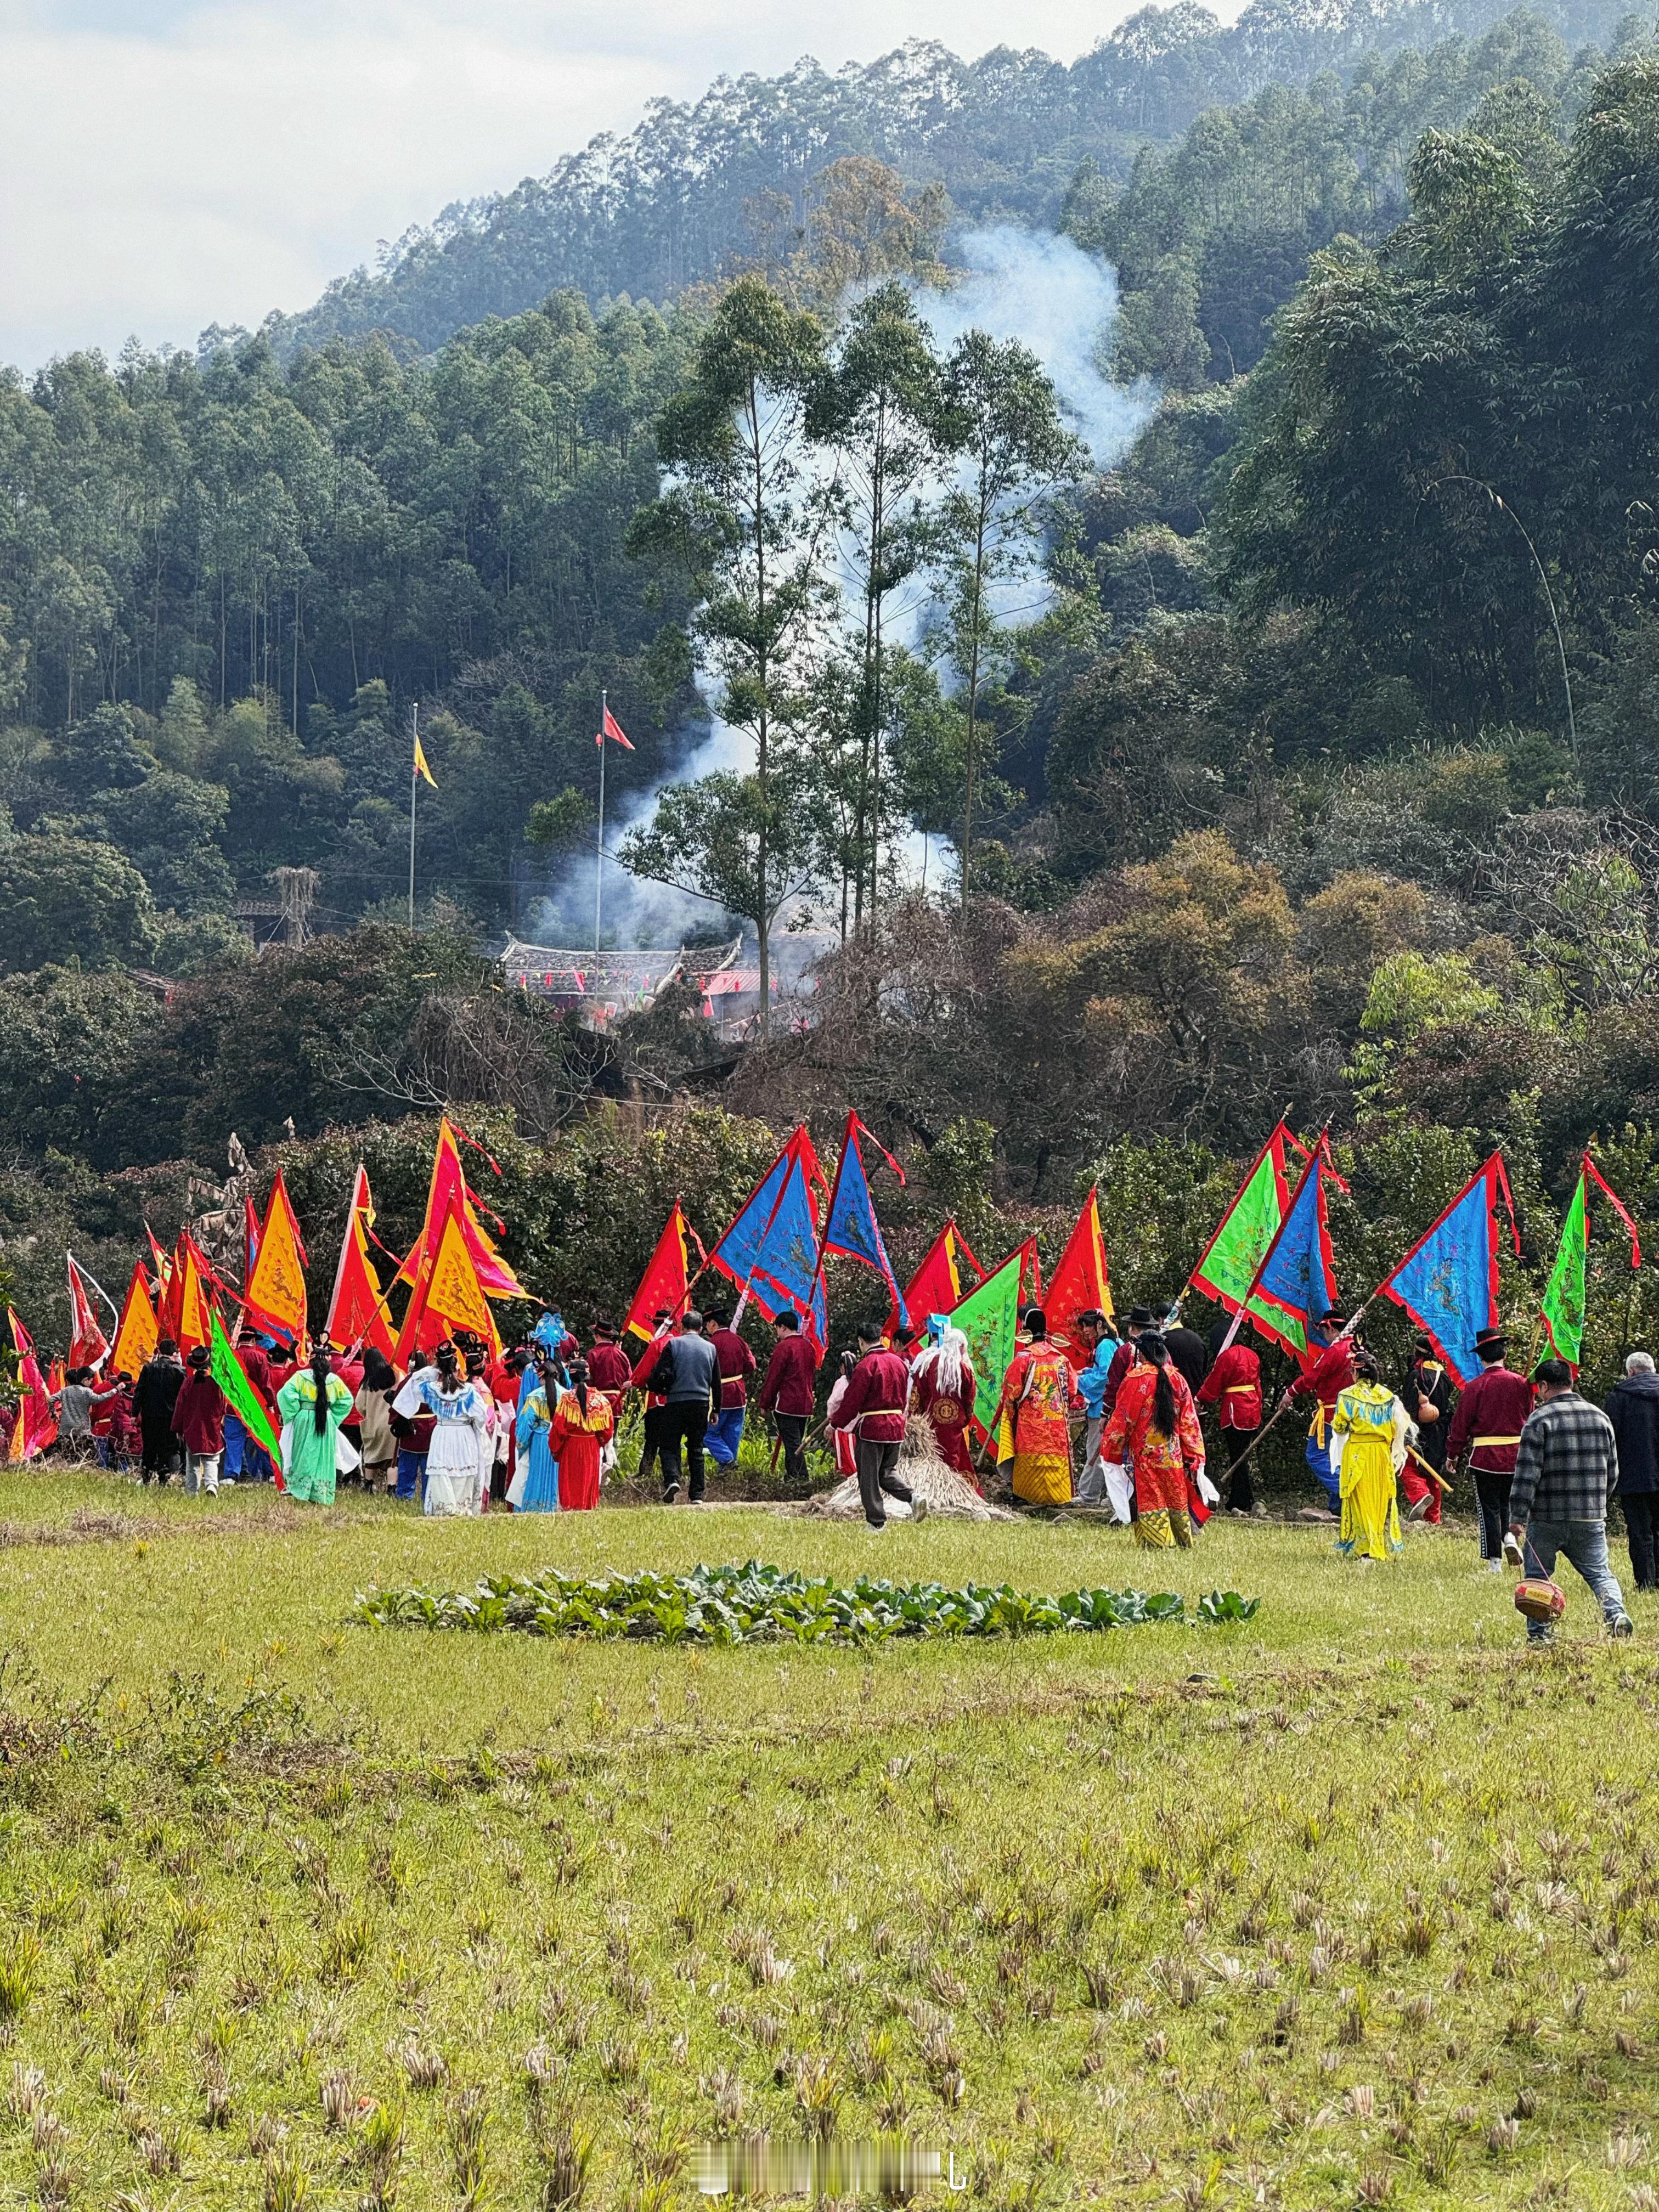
(198, 1355)
(1491, 1343)
(1140, 1317)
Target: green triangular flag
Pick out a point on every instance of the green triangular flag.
(1240, 1245)
(243, 1399)
(989, 1318)
(1563, 1306)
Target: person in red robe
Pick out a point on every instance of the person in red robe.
(1331, 1369)
(608, 1369)
(1487, 1425)
(1233, 1386)
(737, 1364)
(580, 1428)
(942, 1386)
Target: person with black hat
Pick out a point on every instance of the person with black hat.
(787, 1392)
(199, 1422)
(873, 1408)
(1428, 1397)
(1185, 1346)
(1487, 1426)
(1139, 1325)
(154, 1396)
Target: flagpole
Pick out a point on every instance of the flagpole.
(598, 856)
(414, 776)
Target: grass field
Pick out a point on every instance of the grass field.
(1354, 1904)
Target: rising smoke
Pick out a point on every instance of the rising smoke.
(1036, 286)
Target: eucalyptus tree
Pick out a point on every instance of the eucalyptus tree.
(740, 521)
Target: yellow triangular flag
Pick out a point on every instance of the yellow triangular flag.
(421, 768)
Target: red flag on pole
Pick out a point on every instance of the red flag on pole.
(357, 1312)
(611, 728)
(665, 1283)
(1080, 1284)
(88, 1343)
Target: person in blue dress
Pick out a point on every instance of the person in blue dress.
(536, 1478)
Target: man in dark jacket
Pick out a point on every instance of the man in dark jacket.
(691, 1387)
(873, 1409)
(786, 1395)
(153, 1397)
(1186, 1346)
(1632, 1406)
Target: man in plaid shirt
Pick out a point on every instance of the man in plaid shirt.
(1566, 1463)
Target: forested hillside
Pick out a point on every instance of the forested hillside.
(674, 203)
(1303, 757)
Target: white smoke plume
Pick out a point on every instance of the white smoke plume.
(1060, 302)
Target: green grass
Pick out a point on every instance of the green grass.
(1354, 1903)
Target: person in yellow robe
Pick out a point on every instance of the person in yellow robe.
(1038, 1392)
(1373, 1429)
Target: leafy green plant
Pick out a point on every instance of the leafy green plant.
(730, 1605)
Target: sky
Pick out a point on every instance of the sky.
(166, 164)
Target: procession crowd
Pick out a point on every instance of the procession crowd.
(1095, 1418)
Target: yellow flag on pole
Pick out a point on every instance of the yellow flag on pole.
(421, 768)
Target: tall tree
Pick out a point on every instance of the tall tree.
(739, 521)
(1000, 416)
(880, 409)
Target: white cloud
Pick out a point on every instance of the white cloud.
(166, 164)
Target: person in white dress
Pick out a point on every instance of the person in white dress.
(461, 1411)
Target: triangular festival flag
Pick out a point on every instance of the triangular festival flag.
(1297, 1278)
(274, 1296)
(88, 1343)
(1230, 1261)
(34, 1428)
(1563, 1302)
(184, 1312)
(1447, 1282)
(989, 1318)
(851, 1227)
(611, 728)
(1080, 1284)
(357, 1312)
(663, 1283)
(136, 1332)
(948, 1271)
(240, 1395)
(448, 1191)
(785, 1270)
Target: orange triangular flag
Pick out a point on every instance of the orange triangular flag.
(136, 1332)
(445, 1192)
(275, 1296)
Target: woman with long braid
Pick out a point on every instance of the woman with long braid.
(1154, 1431)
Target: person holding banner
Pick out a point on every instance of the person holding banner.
(1333, 1350)
(1487, 1425)
(1233, 1386)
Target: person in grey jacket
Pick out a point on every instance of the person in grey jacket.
(1632, 1406)
(1565, 1465)
(693, 1389)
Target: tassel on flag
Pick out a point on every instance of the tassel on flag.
(1447, 1282)
(611, 728)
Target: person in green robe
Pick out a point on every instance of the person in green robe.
(312, 1403)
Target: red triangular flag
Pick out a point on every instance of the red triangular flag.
(611, 728)
(664, 1283)
(1078, 1284)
